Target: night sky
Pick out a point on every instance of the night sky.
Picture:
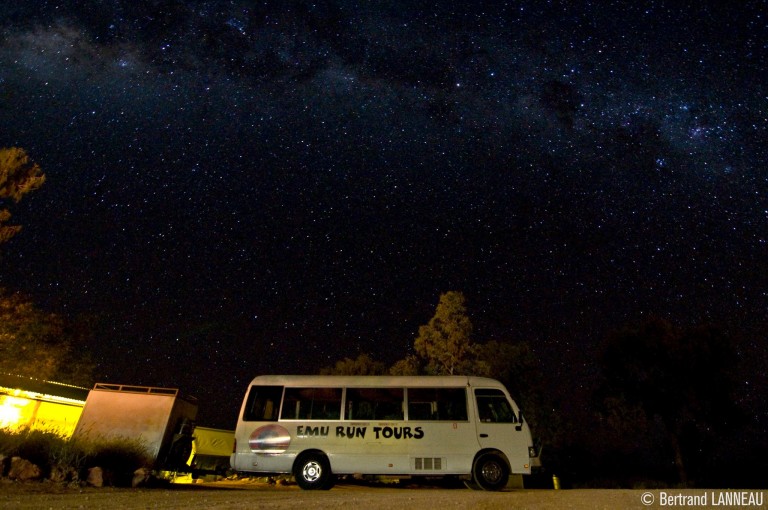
(237, 187)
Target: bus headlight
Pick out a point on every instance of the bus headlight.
(535, 450)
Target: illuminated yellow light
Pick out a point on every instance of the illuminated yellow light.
(20, 409)
(11, 411)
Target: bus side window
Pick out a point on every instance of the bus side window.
(374, 404)
(263, 403)
(439, 404)
(312, 404)
(327, 404)
(420, 411)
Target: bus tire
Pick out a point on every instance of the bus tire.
(313, 471)
(490, 472)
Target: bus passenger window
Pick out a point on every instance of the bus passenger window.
(263, 403)
(312, 404)
(420, 411)
(374, 404)
(439, 404)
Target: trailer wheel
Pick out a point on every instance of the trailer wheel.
(490, 472)
(313, 471)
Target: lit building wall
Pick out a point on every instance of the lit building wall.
(37, 409)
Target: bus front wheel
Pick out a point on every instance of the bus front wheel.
(490, 472)
(313, 472)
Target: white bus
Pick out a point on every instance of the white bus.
(316, 427)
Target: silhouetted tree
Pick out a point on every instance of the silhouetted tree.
(410, 365)
(362, 365)
(18, 176)
(680, 379)
(515, 365)
(445, 342)
(40, 345)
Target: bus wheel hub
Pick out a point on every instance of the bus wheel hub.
(312, 471)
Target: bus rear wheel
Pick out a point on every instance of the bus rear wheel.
(490, 472)
(313, 471)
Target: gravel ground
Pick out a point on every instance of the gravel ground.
(242, 495)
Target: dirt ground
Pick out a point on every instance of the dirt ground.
(240, 495)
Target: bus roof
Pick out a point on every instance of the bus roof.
(375, 381)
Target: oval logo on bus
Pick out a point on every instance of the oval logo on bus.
(269, 439)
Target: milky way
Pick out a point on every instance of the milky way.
(236, 189)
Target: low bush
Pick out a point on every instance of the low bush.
(118, 457)
(44, 448)
(49, 450)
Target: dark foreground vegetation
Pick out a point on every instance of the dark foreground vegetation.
(29, 455)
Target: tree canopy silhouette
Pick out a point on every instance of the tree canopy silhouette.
(362, 365)
(680, 378)
(40, 345)
(18, 176)
(445, 342)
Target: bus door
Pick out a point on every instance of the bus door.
(498, 424)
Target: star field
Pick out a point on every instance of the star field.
(238, 188)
